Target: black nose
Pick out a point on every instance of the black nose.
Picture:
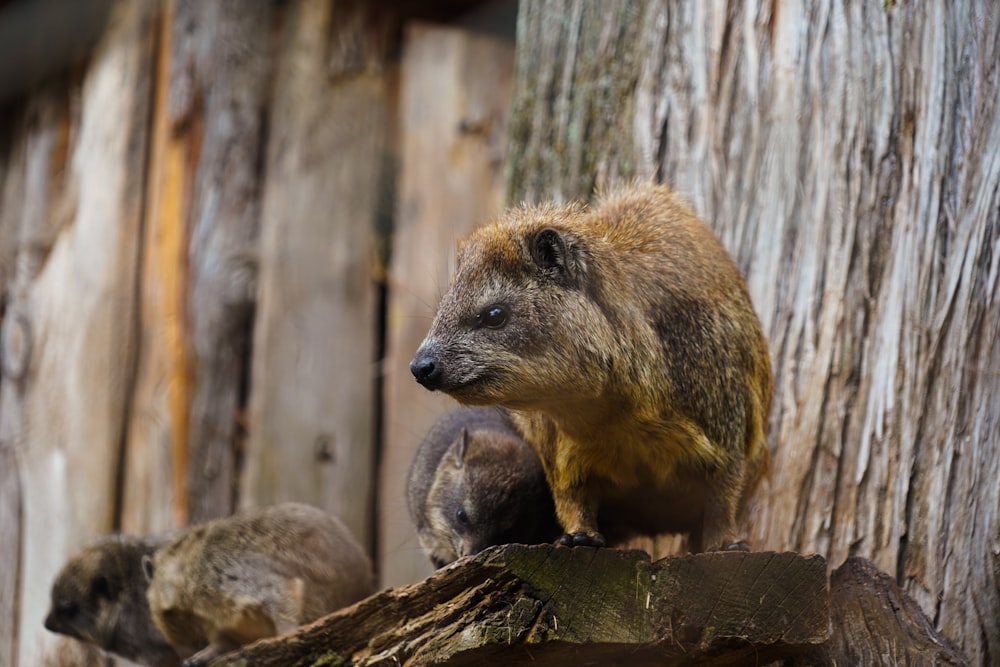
(427, 370)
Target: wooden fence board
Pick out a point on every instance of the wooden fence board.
(77, 309)
(313, 382)
(454, 98)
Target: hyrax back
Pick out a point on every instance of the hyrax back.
(231, 581)
(99, 597)
(473, 483)
(623, 339)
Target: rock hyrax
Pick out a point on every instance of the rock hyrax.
(623, 340)
(231, 581)
(473, 483)
(99, 597)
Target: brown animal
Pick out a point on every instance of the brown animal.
(99, 597)
(231, 581)
(623, 339)
(473, 483)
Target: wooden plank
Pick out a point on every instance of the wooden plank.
(231, 67)
(199, 266)
(312, 390)
(517, 605)
(13, 174)
(154, 494)
(77, 258)
(454, 100)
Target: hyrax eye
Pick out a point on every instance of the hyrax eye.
(462, 516)
(69, 610)
(493, 317)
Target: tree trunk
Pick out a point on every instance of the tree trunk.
(847, 155)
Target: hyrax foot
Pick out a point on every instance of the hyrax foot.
(582, 540)
(742, 545)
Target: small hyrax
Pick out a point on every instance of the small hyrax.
(622, 338)
(99, 597)
(474, 483)
(231, 581)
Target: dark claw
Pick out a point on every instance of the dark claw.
(582, 540)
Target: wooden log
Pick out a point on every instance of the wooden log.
(455, 93)
(312, 402)
(518, 605)
(874, 622)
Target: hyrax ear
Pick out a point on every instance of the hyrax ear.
(147, 567)
(557, 254)
(459, 448)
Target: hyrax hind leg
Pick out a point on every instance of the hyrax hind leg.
(719, 529)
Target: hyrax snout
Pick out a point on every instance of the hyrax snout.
(623, 340)
(231, 581)
(474, 482)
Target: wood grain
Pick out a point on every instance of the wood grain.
(312, 407)
(72, 309)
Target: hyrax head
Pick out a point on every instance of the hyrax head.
(518, 319)
(86, 595)
(489, 489)
(99, 597)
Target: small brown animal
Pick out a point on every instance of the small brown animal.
(473, 483)
(99, 597)
(234, 580)
(623, 340)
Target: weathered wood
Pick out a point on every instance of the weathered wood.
(847, 154)
(454, 105)
(313, 380)
(876, 623)
(517, 605)
(199, 262)
(68, 327)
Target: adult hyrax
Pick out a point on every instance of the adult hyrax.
(231, 581)
(99, 597)
(475, 482)
(623, 339)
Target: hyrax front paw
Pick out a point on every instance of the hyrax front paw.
(582, 540)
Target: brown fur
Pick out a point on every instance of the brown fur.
(231, 581)
(630, 355)
(99, 597)
(474, 483)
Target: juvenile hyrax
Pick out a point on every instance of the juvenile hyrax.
(623, 339)
(231, 581)
(475, 482)
(99, 597)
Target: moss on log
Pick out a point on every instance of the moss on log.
(555, 606)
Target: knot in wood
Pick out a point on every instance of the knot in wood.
(16, 344)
